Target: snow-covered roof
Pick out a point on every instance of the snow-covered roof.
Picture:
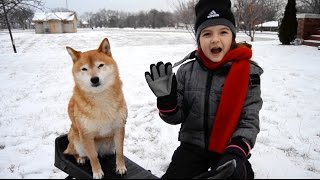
(85, 22)
(268, 24)
(65, 16)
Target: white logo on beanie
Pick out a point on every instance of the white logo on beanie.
(212, 14)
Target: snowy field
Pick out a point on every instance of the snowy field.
(36, 84)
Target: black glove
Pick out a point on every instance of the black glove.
(236, 153)
(163, 84)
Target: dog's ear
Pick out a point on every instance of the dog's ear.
(105, 47)
(73, 53)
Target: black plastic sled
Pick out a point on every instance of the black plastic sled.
(68, 164)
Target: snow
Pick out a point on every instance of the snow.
(268, 24)
(36, 84)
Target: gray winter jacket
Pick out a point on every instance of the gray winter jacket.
(199, 92)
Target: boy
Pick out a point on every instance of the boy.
(216, 98)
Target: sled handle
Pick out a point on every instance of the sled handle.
(223, 173)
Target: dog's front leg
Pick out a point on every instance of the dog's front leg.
(119, 139)
(89, 147)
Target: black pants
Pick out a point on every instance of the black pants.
(189, 161)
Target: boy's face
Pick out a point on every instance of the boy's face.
(215, 42)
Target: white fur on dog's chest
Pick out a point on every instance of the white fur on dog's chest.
(101, 127)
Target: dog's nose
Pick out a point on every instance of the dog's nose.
(94, 80)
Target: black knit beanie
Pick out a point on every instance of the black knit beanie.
(213, 12)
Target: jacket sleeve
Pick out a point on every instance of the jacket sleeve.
(249, 124)
(177, 117)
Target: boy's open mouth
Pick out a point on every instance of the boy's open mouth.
(216, 50)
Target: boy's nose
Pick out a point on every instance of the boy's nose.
(214, 39)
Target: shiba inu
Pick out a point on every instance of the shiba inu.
(97, 109)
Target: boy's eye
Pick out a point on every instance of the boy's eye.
(101, 65)
(224, 32)
(205, 34)
(84, 69)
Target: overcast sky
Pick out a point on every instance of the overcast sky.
(81, 6)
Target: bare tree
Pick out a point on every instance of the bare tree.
(17, 7)
(111, 18)
(185, 13)
(87, 17)
(22, 4)
(249, 13)
(153, 14)
(247, 16)
(309, 6)
(142, 19)
(22, 17)
(9, 6)
(273, 10)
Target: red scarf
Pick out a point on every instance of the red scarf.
(233, 95)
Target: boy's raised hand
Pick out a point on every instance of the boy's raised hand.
(161, 80)
(163, 84)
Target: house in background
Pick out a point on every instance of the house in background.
(268, 26)
(55, 22)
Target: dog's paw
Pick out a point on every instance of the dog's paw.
(81, 160)
(121, 170)
(98, 175)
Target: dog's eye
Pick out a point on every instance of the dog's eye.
(84, 69)
(101, 65)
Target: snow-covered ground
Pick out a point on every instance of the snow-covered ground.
(36, 84)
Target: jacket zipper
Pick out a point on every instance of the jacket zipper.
(206, 108)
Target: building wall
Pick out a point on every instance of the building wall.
(39, 27)
(70, 26)
(308, 24)
(56, 27)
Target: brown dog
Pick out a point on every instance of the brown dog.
(97, 109)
